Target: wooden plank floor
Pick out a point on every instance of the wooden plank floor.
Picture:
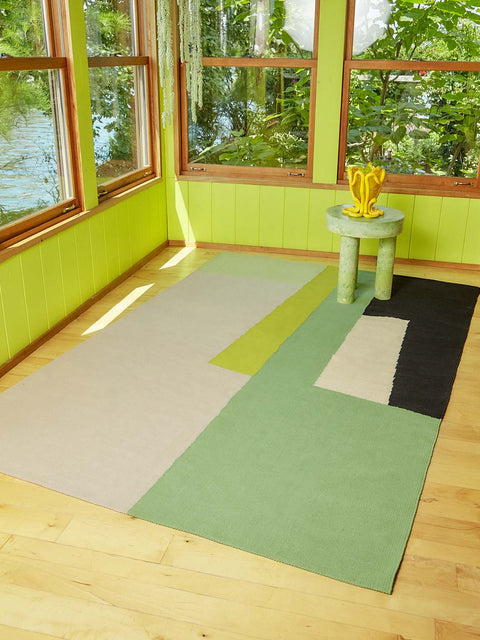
(69, 569)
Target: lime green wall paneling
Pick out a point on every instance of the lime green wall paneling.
(200, 210)
(177, 209)
(124, 239)
(295, 227)
(426, 218)
(406, 203)
(471, 249)
(451, 231)
(35, 296)
(111, 243)
(223, 213)
(158, 216)
(136, 222)
(319, 238)
(85, 261)
(80, 75)
(4, 350)
(331, 38)
(69, 270)
(99, 251)
(272, 208)
(247, 214)
(14, 304)
(52, 277)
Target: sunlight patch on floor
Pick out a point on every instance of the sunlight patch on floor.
(183, 253)
(117, 309)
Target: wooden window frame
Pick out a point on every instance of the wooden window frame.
(435, 185)
(56, 58)
(262, 174)
(145, 43)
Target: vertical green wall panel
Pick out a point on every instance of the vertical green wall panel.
(111, 243)
(99, 253)
(272, 208)
(69, 269)
(405, 202)
(247, 214)
(4, 350)
(136, 223)
(471, 249)
(223, 213)
(200, 210)
(451, 231)
(85, 261)
(177, 209)
(52, 277)
(124, 239)
(319, 237)
(14, 304)
(295, 227)
(158, 216)
(426, 218)
(80, 75)
(35, 296)
(331, 38)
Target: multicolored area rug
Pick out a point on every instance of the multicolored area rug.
(245, 405)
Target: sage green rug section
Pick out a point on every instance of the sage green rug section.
(314, 478)
(250, 352)
(262, 268)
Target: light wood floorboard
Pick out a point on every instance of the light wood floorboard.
(77, 571)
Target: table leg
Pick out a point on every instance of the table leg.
(348, 269)
(386, 257)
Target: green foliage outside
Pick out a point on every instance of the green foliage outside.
(420, 122)
(254, 116)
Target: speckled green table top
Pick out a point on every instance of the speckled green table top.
(386, 226)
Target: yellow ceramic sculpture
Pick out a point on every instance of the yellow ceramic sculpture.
(365, 186)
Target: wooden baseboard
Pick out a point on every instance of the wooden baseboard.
(73, 315)
(318, 254)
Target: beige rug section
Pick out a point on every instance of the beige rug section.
(104, 421)
(364, 365)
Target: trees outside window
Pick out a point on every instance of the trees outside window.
(259, 64)
(412, 92)
(38, 183)
(120, 71)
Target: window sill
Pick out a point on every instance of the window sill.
(40, 236)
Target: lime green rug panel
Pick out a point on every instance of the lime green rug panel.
(250, 352)
(314, 478)
(262, 267)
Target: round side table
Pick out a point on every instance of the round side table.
(386, 228)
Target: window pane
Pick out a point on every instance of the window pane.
(34, 171)
(252, 117)
(406, 30)
(415, 122)
(109, 26)
(258, 28)
(22, 28)
(119, 120)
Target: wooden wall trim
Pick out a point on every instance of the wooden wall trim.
(318, 254)
(29, 349)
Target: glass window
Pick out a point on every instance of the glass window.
(259, 28)
(405, 30)
(36, 179)
(256, 92)
(253, 116)
(415, 122)
(119, 80)
(412, 84)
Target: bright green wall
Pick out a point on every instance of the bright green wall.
(43, 284)
(436, 228)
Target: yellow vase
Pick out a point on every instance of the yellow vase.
(365, 186)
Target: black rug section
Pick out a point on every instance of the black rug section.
(439, 315)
